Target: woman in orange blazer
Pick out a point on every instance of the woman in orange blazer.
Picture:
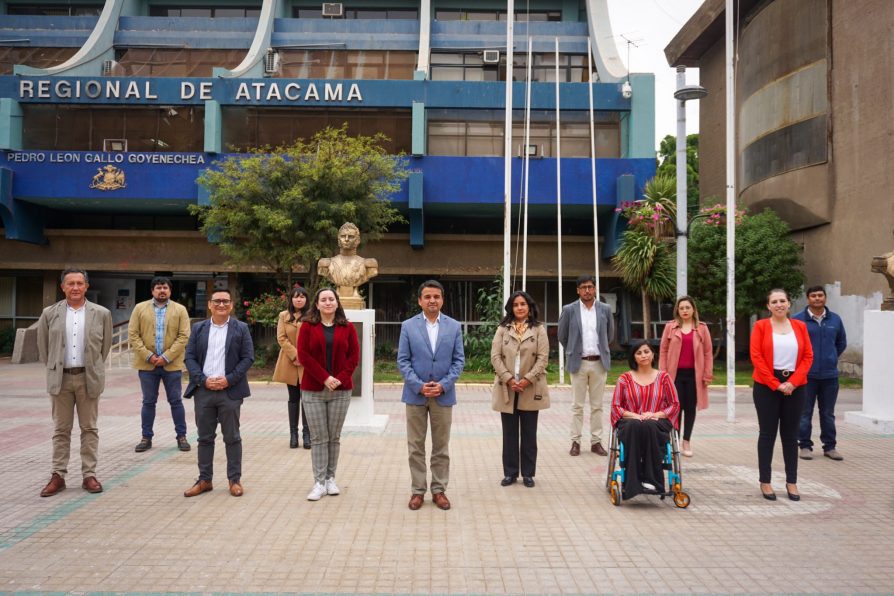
(781, 355)
(688, 357)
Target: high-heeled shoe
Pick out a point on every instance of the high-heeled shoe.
(792, 496)
(770, 496)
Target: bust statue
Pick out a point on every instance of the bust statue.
(885, 265)
(348, 270)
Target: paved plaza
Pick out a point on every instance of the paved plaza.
(561, 537)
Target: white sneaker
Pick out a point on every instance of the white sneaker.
(648, 486)
(317, 492)
(331, 487)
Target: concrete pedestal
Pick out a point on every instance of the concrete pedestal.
(878, 374)
(361, 414)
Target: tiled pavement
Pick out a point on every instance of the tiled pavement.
(563, 536)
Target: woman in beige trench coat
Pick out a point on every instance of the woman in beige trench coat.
(288, 370)
(519, 354)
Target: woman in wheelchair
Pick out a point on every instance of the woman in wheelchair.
(645, 408)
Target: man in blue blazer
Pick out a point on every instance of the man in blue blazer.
(218, 356)
(430, 358)
(586, 327)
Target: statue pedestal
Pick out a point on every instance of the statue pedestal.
(361, 415)
(878, 374)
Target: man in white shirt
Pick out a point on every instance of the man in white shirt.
(219, 354)
(74, 337)
(586, 327)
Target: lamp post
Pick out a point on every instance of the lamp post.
(683, 94)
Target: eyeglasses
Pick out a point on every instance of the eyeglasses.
(586, 287)
(219, 302)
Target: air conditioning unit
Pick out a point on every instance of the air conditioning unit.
(491, 56)
(110, 145)
(271, 61)
(532, 151)
(333, 9)
(110, 68)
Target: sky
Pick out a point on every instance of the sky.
(651, 24)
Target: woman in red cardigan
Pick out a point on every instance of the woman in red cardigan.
(688, 357)
(781, 355)
(329, 352)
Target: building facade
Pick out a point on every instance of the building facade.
(814, 97)
(109, 112)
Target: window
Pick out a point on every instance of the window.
(55, 10)
(174, 62)
(470, 66)
(206, 11)
(496, 15)
(244, 128)
(76, 128)
(351, 12)
(21, 300)
(480, 133)
(347, 64)
(35, 57)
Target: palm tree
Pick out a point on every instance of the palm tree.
(644, 260)
(646, 265)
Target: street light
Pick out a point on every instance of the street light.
(683, 94)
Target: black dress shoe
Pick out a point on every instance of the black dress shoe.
(792, 496)
(507, 480)
(770, 496)
(528, 481)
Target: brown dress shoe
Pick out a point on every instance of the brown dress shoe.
(575, 448)
(56, 484)
(235, 489)
(201, 486)
(91, 485)
(415, 502)
(441, 501)
(598, 449)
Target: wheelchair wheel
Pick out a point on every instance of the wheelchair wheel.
(615, 492)
(611, 470)
(681, 499)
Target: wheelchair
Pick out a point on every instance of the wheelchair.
(614, 481)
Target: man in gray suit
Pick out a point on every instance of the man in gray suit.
(74, 337)
(586, 327)
(430, 358)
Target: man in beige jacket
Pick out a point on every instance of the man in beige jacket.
(74, 337)
(158, 333)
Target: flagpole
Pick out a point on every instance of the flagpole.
(559, 209)
(593, 165)
(507, 150)
(730, 218)
(524, 284)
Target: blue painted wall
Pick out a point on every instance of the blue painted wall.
(45, 177)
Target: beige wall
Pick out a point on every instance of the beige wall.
(858, 179)
(188, 252)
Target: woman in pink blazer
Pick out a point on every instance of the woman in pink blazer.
(688, 357)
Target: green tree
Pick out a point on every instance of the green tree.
(283, 207)
(667, 167)
(644, 258)
(766, 258)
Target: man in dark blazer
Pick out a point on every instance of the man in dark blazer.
(586, 327)
(430, 358)
(218, 356)
(74, 337)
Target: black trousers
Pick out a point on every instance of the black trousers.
(644, 447)
(213, 407)
(295, 406)
(782, 413)
(685, 384)
(519, 442)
